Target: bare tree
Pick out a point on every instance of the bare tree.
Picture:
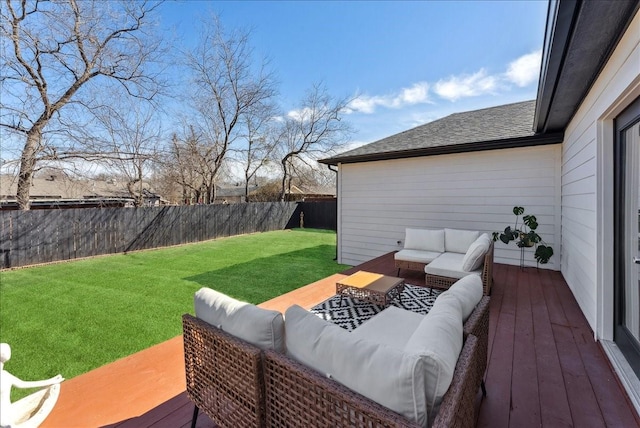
(228, 90)
(312, 173)
(188, 164)
(315, 128)
(260, 144)
(130, 144)
(52, 51)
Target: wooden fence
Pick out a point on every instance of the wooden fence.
(42, 236)
(319, 214)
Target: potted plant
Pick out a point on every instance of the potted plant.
(526, 236)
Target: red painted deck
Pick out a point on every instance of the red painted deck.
(544, 367)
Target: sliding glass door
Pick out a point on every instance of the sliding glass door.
(627, 234)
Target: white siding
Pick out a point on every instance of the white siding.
(587, 183)
(475, 191)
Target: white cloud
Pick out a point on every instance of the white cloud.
(524, 70)
(466, 85)
(299, 114)
(365, 104)
(418, 93)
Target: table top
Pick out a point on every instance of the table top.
(371, 281)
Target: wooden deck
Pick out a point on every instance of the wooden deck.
(544, 367)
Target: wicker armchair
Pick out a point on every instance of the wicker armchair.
(444, 282)
(297, 396)
(224, 375)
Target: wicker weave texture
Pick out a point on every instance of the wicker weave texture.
(224, 375)
(487, 271)
(403, 264)
(478, 325)
(371, 296)
(458, 405)
(297, 396)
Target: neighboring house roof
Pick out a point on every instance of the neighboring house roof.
(63, 187)
(314, 190)
(503, 126)
(230, 191)
(580, 37)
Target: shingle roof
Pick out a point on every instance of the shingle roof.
(63, 187)
(505, 123)
(229, 191)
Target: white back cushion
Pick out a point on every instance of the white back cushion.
(260, 327)
(458, 241)
(475, 254)
(424, 239)
(468, 291)
(438, 341)
(388, 376)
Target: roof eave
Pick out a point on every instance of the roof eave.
(564, 84)
(534, 140)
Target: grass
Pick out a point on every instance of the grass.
(72, 317)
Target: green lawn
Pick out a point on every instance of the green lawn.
(72, 317)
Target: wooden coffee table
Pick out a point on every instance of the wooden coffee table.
(371, 287)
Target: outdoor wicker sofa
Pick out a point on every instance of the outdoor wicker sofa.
(447, 255)
(237, 383)
(298, 396)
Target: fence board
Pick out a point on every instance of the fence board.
(320, 215)
(41, 236)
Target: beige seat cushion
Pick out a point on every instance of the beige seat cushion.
(260, 327)
(388, 376)
(449, 265)
(392, 327)
(418, 256)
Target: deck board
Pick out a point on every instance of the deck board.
(544, 367)
(525, 396)
(553, 395)
(496, 407)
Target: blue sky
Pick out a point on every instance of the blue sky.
(408, 62)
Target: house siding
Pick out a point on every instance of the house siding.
(475, 191)
(587, 183)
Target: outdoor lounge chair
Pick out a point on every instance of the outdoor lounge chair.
(238, 383)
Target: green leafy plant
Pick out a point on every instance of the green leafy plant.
(525, 236)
